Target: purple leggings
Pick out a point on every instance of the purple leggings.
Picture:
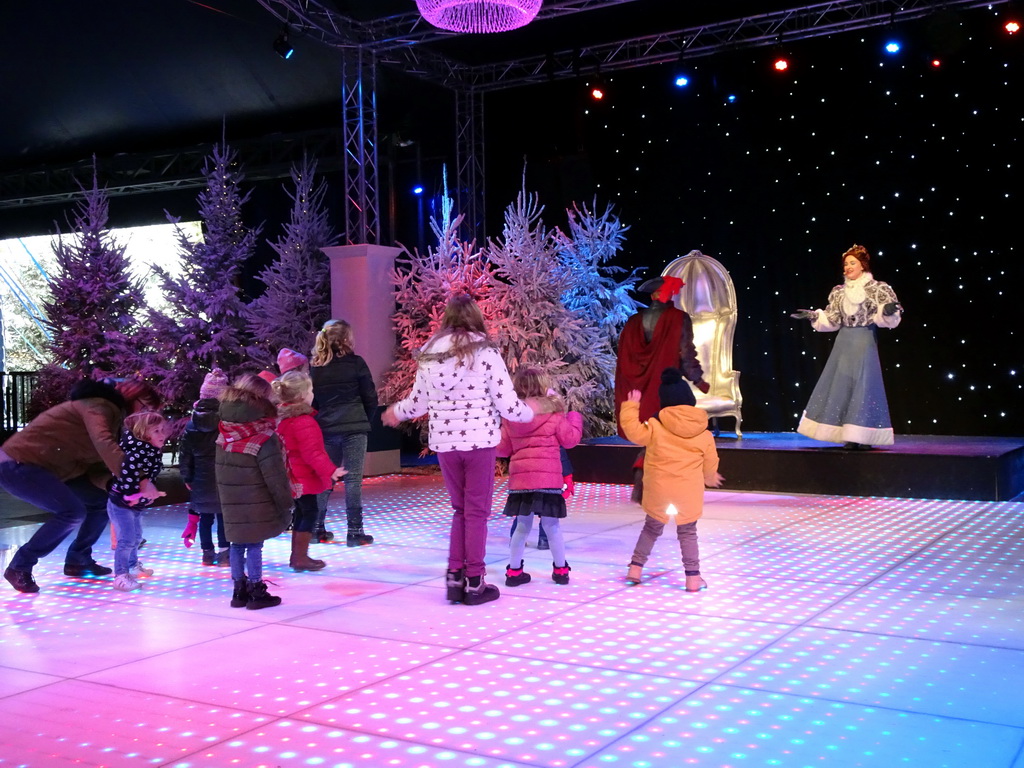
(469, 478)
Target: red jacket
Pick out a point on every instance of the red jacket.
(309, 466)
(533, 446)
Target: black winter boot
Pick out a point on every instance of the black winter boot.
(356, 537)
(516, 576)
(260, 598)
(455, 583)
(479, 591)
(560, 573)
(240, 597)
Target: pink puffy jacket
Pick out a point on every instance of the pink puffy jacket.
(533, 446)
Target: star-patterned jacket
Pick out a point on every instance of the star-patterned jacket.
(466, 401)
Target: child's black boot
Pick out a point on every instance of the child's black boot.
(560, 573)
(259, 597)
(455, 583)
(515, 576)
(240, 597)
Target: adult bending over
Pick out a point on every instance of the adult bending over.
(63, 462)
(848, 403)
(463, 384)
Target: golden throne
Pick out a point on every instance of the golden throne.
(710, 299)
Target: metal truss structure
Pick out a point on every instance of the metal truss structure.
(470, 193)
(265, 158)
(399, 41)
(403, 41)
(359, 138)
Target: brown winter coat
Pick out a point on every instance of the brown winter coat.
(680, 457)
(255, 495)
(75, 438)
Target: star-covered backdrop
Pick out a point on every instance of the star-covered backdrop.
(915, 155)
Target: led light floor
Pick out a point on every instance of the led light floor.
(835, 632)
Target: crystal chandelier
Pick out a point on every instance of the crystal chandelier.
(479, 15)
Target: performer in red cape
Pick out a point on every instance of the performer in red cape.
(656, 338)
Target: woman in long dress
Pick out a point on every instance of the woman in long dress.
(848, 403)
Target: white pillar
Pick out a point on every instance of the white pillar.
(362, 295)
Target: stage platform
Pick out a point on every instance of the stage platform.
(917, 466)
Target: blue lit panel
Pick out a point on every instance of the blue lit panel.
(914, 675)
(724, 727)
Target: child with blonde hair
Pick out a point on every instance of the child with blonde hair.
(132, 490)
(346, 401)
(310, 469)
(535, 470)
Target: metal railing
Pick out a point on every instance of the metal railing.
(17, 387)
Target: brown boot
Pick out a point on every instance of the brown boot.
(300, 560)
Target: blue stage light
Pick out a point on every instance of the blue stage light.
(893, 46)
(417, 190)
(731, 98)
(283, 47)
(682, 81)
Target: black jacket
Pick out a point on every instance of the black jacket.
(197, 456)
(344, 395)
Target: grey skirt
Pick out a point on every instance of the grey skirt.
(848, 403)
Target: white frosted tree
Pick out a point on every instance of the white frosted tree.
(425, 282)
(537, 327)
(297, 299)
(25, 332)
(206, 325)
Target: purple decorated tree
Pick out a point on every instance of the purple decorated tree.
(206, 325)
(94, 296)
(297, 300)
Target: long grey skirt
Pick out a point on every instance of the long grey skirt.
(848, 403)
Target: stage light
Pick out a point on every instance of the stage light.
(283, 47)
(417, 190)
(682, 81)
(935, 63)
(597, 92)
(781, 63)
(731, 98)
(1012, 18)
(893, 46)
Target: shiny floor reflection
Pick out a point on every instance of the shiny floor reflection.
(835, 632)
